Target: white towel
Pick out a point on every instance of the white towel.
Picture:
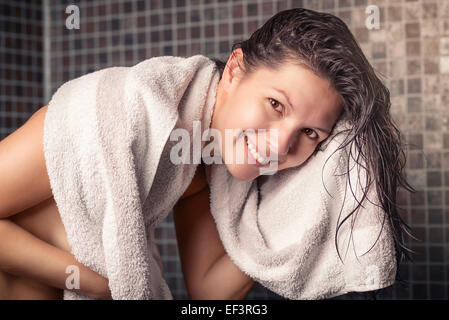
(280, 229)
(106, 146)
(107, 151)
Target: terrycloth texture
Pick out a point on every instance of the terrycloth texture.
(280, 229)
(107, 151)
(107, 155)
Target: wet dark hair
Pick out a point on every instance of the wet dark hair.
(322, 43)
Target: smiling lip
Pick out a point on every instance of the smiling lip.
(258, 164)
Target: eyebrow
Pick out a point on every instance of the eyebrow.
(291, 106)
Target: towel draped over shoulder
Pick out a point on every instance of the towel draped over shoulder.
(107, 150)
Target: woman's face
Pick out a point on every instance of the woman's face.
(300, 106)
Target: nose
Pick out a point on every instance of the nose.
(287, 136)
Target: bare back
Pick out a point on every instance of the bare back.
(24, 179)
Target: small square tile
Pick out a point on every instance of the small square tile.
(436, 235)
(223, 13)
(154, 20)
(182, 50)
(194, 15)
(345, 16)
(397, 67)
(237, 28)
(345, 3)
(414, 67)
(446, 141)
(154, 4)
(181, 34)
(435, 216)
(414, 104)
(436, 254)
(414, 85)
(418, 215)
(252, 26)
(444, 64)
(415, 161)
(209, 14)
(436, 273)
(429, 11)
(412, 11)
(420, 233)
(419, 273)
(433, 141)
(210, 48)
(181, 17)
(431, 47)
(237, 11)
(397, 87)
(434, 178)
(437, 291)
(412, 30)
(167, 35)
(419, 291)
(361, 34)
(444, 46)
(430, 28)
(445, 159)
(431, 65)
(223, 29)
(281, 5)
(267, 7)
(432, 159)
(155, 36)
(415, 141)
(195, 32)
(420, 254)
(328, 4)
(431, 103)
(394, 13)
(417, 178)
(413, 48)
(433, 123)
(431, 84)
(360, 2)
(252, 9)
(209, 31)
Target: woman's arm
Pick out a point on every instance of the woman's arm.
(209, 273)
(23, 254)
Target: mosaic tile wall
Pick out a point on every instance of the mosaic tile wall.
(411, 51)
(21, 62)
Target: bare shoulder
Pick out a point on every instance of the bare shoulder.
(199, 182)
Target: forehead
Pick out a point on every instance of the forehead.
(304, 87)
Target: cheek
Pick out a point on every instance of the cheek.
(245, 114)
(302, 152)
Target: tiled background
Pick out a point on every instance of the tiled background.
(411, 49)
(21, 63)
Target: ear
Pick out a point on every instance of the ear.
(232, 71)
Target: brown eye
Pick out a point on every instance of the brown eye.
(274, 105)
(311, 131)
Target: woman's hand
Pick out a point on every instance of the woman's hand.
(23, 254)
(100, 289)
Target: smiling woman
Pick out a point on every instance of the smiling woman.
(252, 101)
(304, 70)
(296, 76)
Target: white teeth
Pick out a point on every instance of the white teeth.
(256, 156)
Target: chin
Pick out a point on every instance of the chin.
(241, 172)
